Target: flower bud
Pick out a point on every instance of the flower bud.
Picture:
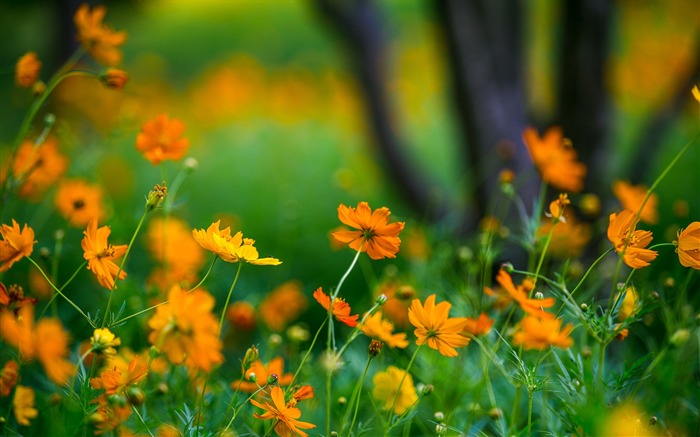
(427, 390)
(653, 420)
(114, 78)
(539, 295)
(190, 164)
(156, 196)
(679, 337)
(495, 413)
(508, 267)
(136, 396)
(506, 176)
(252, 377)
(298, 334)
(272, 379)
(584, 307)
(375, 346)
(342, 401)
(162, 388)
(439, 416)
(381, 299)
(251, 356)
(274, 340)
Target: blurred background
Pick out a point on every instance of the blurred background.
(293, 107)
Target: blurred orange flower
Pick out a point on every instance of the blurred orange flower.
(374, 234)
(479, 326)
(114, 78)
(537, 333)
(15, 244)
(185, 329)
(8, 377)
(23, 405)
(341, 309)
(27, 70)
(241, 315)
(262, 373)
(37, 168)
(231, 248)
(282, 305)
(170, 242)
(161, 139)
(46, 341)
(101, 255)
(520, 295)
(433, 326)
(632, 196)
(569, 237)
(79, 202)
(557, 207)
(398, 300)
(98, 39)
(621, 229)
(375, 327)
(688, 246)
(555, 159)
(286, 423)
(114, 380)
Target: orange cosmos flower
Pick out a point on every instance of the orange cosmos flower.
(170, 242)
(114, 380)
(8, 377)
(79, 202)
(537, 333)
(435, 328)
(186, 330)
(632, 196)
(46, 341)
(374, 234)
(231, 248)
(114, 78)
(161, 139)
(688, 246)
(341, 309)
(101, 255)
(27, 70)
(15, 244)
(569, 237)
(241, 316)
(262, 373)
(386, 388)
(99, 40)
(479, 326)
(398, 300)
(555, 159)
(382, 330)
(283, 305)
(557, 207)
(38, 168)
(530, 306)
(285, 416)
(622, 229)
(23, 405)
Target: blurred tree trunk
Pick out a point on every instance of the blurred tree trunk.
(360, 26)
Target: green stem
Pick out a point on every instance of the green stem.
(306, 356)
(347, 272)
(357, 392)
(121, 266)
(601, 363)
(544, 252)
(53, 297)
(398, 389)
(141, 420)
(228, 298)
(530, 395)
(60, 292)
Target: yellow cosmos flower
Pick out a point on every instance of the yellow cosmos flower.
(103, 342)
(386, 386)
(688, 246)
(376, 327)
(98, 39)
(23, 405)
(231, 248)
(433, 326)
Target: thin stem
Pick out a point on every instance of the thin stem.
(342, 279)
(306, 356)
(357, 393)
(60, 292)
(601, 362)
(121, 266)
(398, 389)
(142, 421)
(530, 395)
(228, 298)
(53, 297)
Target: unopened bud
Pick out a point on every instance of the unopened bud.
(39, 87)
(190, 164)
(272, 379)
(495, 413)
(669, 282)
(584, 307)
(44, 252)
(114, 78)
(428, 390)
(508, 267)
(49, 120)
(653, 420)
(274, 340)
(298, 334)
(375, 346)
(162, 388)
(539, 295)
(118, 400)
(342, 401)
(587, 352)
(59, 234)
(156, 196)
(334, 433)
(136, 396)
(251, 356)
(381, 299)
(679, 337)
(439, 416)
(252, 377)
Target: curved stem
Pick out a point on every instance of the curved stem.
(306, 356)
(228, 298)
(398, 389)
(358, 392)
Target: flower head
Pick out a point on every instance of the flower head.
(103, 342)
(555, 159)
(537, 333)
(341, 309)
(433, 326)
(186, 330)
(688, 246)
(375, 327)
(386, 387)
(113, 380)
(23, 405)
(556, 208)
(38, 168)
(170, 242)
(479, 326)
(231, 248)
(374, 234)
(99, 40)
(161, 139)
(285, 416)
(283, 305)
(8, 377)
(263, 372)
(101, 255)
(629, 305)
(628, 242)
(27, 70)
(15, 244)
(520, 295)
(114, 78)
(569, 236)
(79, 202)
(632, 196)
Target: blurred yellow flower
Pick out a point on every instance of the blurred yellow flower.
(386, 387)
(537, 333)
(38, 168)
(374, 234)
(170, 242)
(15, 244)
(161, 139)
(101, 255)
(688, 246)
(79, 202)
(629, 242)
(632, 196)
(433, 326)
(98, 39)
(241, 316)
(398, 300)
(555, 159)
(23, 405)
(629, 304)
(27, 70)
(627, 420)
(377, 328)
(282, 305)
(186, 330)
